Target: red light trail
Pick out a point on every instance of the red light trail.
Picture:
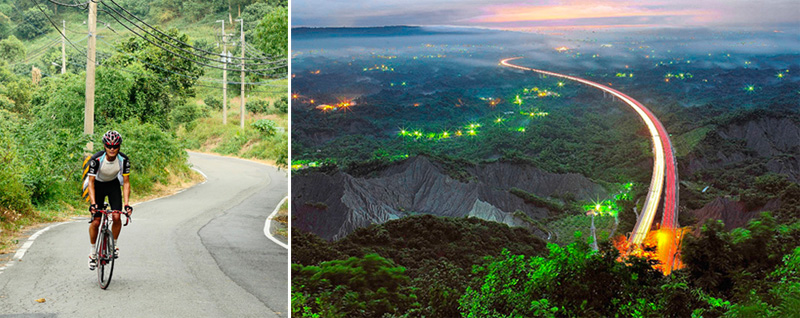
(664, 171)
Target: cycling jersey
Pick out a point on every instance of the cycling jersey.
(99, 159)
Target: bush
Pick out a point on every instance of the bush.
(213, 102)
(187, 113)
(6, 103)
(282, 105)
(151, 151)
(11, 49)
(257, 106)
(58, 177)
(265, 126)
(14, 196)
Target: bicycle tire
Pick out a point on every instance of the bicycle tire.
(105, 258)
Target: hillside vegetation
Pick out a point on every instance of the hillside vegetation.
(156, 99)
(426, 266)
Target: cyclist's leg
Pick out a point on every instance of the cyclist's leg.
(99, 198)
(115, 200)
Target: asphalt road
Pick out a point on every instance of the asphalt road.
(199, 253)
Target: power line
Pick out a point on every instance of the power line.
(71, 5)
(195, 61)
(265, 83)
(168, 42)
(174, 39)
(36, 3)
(152, 75)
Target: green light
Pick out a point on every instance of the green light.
(780, 75)
(471, 132)
(404, 84)
(499, 120)
(517, 100)
(560, 84)
(521, 129)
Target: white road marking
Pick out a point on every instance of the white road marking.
(22, 250)
(204, 175)
(266, 225)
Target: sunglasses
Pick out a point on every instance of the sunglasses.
(112, 147)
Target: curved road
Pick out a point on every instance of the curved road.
(664, 166)
(199, 253)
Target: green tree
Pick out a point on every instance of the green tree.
(272, 33)
(357, 287)
(5, 25)
(571, 281)
(145, 84)
(11, 49)
(34, 23)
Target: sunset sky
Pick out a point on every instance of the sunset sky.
(768, 14)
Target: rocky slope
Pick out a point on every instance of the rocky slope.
(771, 138)
(732, 213)
(332, 206)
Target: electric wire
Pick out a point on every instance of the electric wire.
(172, 38)
(70, 5)
(196, 61)
(181, 74)
(170, 43)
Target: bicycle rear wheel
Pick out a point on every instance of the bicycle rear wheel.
(105, 258)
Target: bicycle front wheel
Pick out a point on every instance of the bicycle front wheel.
(105, 258)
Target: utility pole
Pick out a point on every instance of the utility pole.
(224, 75)
(63, 47)
(88, 119)
(241, 99)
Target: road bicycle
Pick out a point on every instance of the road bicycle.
(105, 247)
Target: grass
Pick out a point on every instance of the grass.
(685, 143)
(210, 135)
(283, 219)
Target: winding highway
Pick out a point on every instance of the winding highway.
(199, 253)
(665, 174)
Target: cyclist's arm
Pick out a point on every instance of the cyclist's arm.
(91, 190)
(126, 189)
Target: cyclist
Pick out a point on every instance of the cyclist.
(108, 170)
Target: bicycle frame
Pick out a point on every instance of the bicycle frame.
(105, 246)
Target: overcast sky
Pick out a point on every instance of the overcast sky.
(758, 14)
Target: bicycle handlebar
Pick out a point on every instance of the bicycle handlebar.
(128, 215)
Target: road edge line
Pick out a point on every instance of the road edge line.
(24, 249)
(269, 218)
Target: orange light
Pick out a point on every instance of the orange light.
(311, 101)
(295, 96)
(416, 104)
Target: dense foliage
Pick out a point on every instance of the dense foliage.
(437, 254)
(442, 267)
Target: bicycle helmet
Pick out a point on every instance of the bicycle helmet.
(112, 138)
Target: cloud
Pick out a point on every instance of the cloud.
(509, 14)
